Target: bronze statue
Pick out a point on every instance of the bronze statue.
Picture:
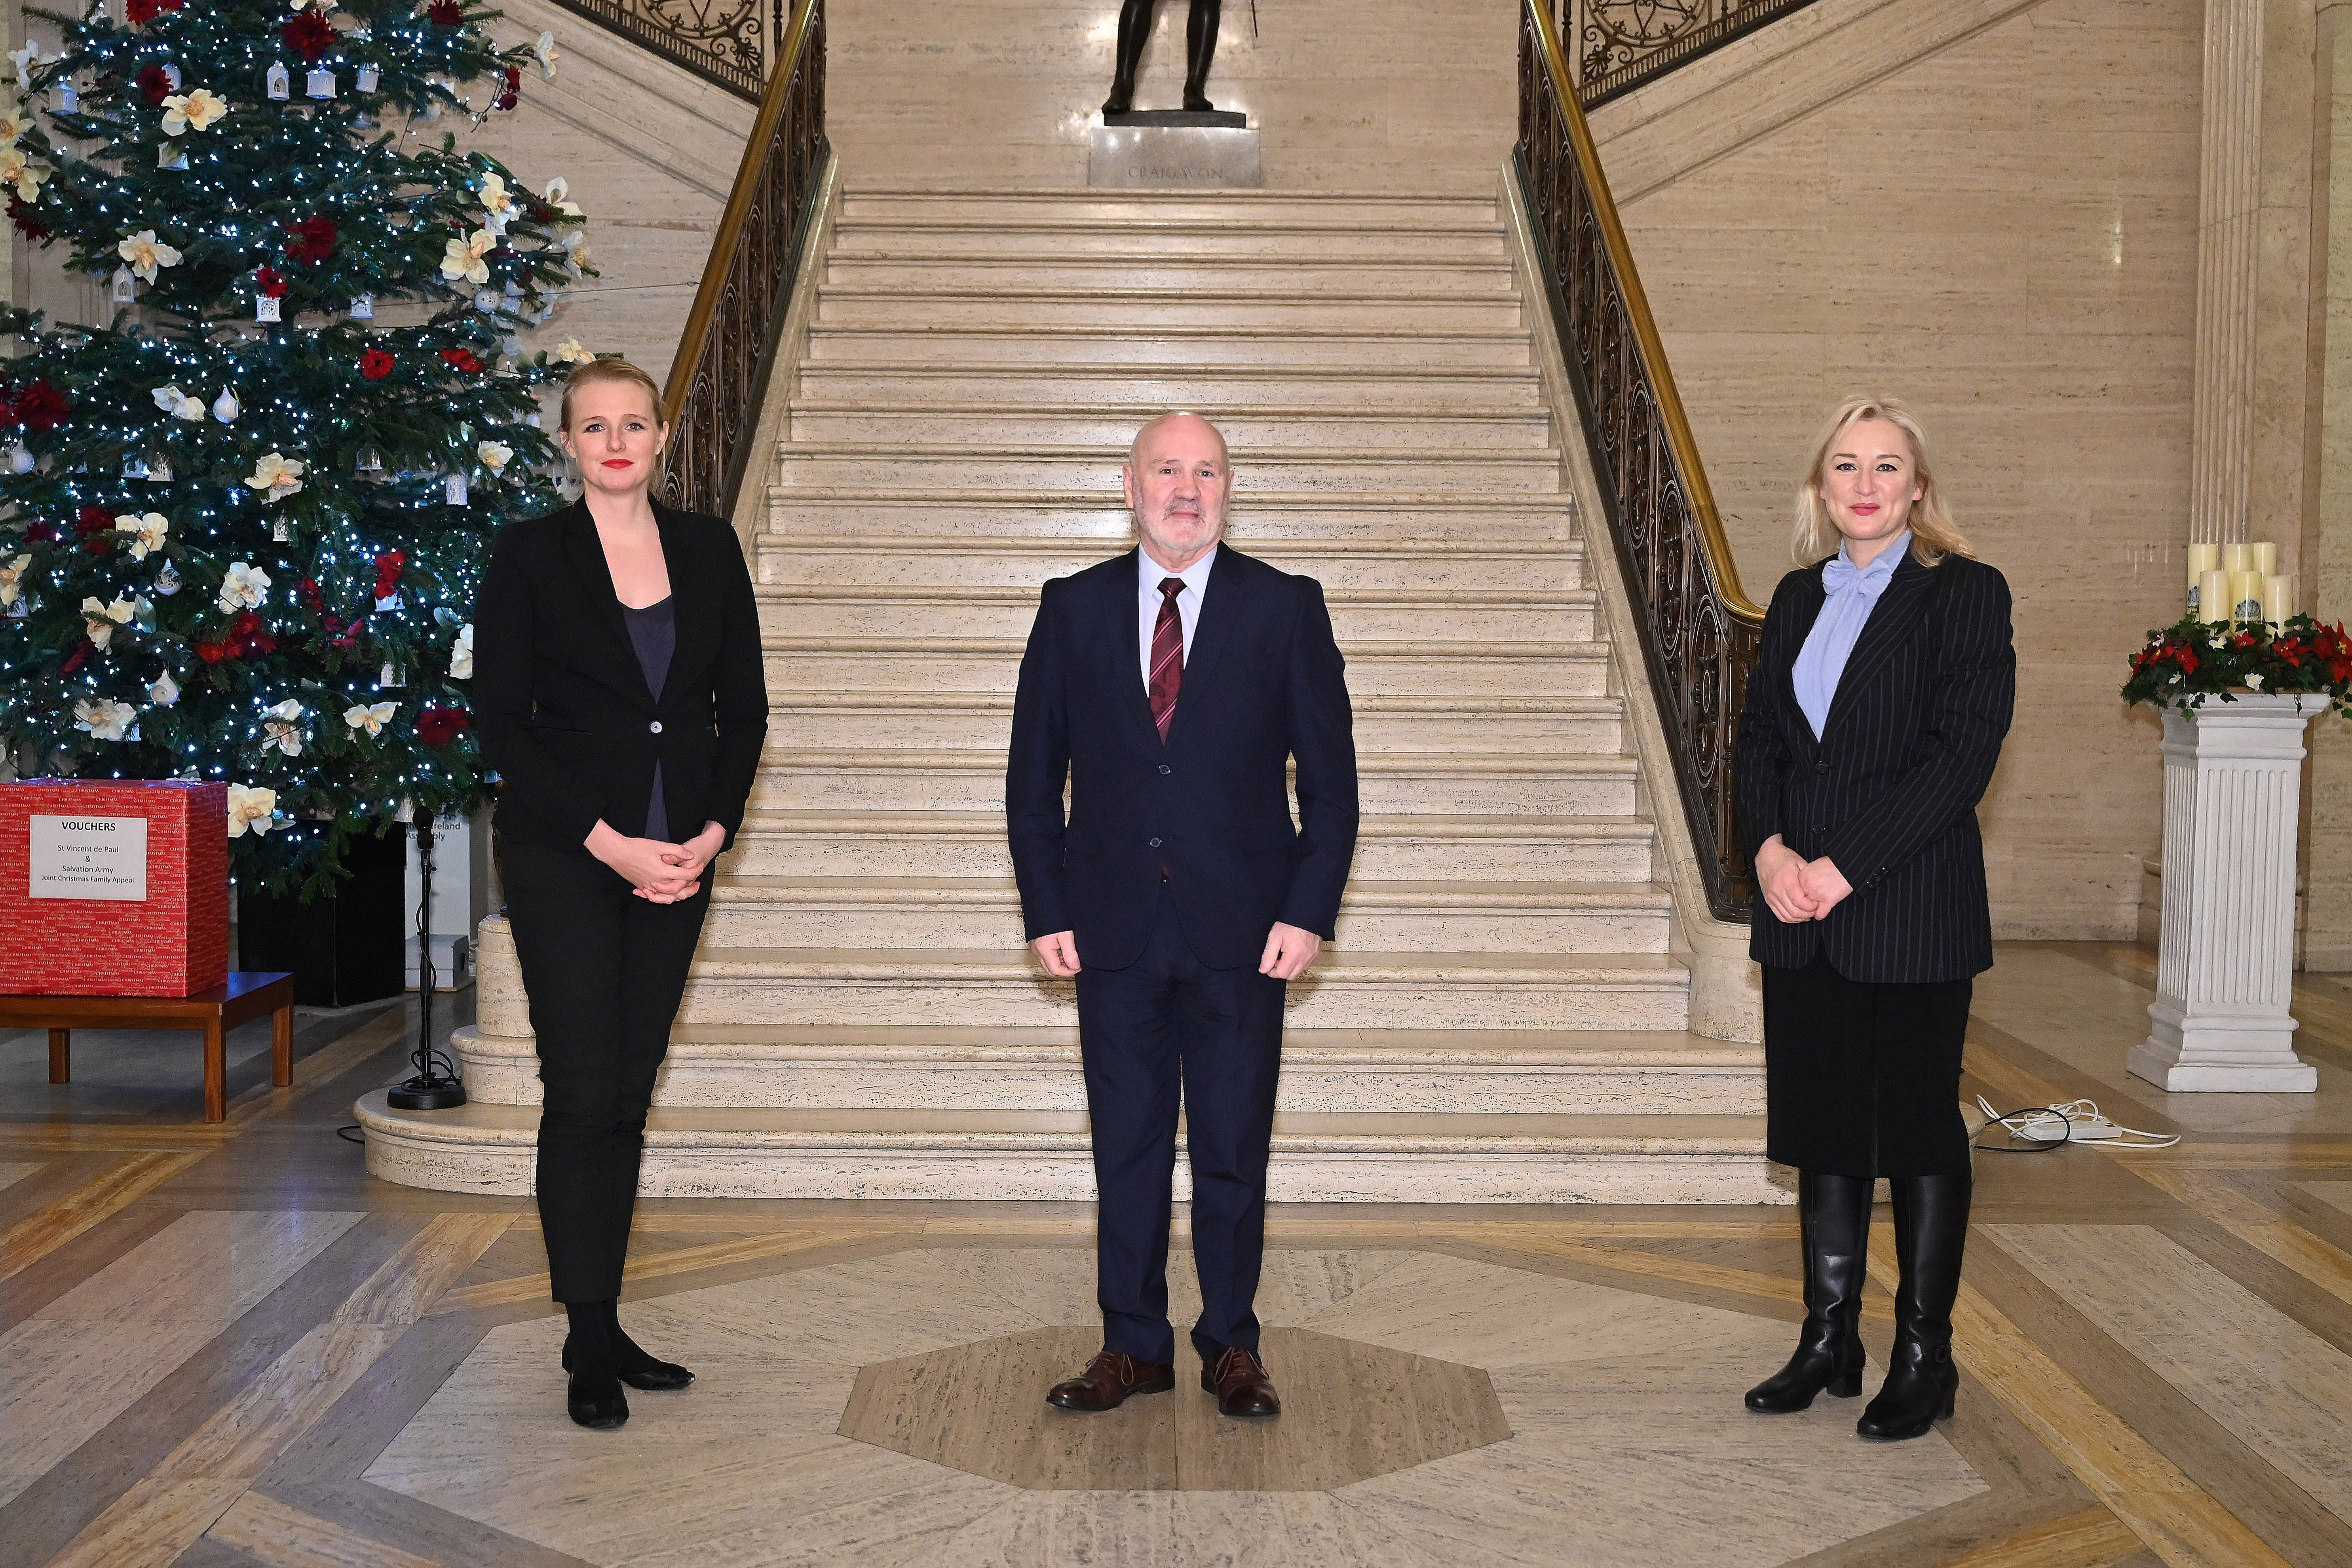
(1200, 46)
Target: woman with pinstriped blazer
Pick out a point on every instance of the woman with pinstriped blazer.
(1873, 718)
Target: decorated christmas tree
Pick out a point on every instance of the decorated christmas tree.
(245, 516)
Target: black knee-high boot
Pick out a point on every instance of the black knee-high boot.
(1931, 1231)
(1134, 32)
(1199, 49)
(1834, 1218)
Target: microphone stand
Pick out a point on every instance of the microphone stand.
(435, 1085)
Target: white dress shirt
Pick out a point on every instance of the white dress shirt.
(1147, 603)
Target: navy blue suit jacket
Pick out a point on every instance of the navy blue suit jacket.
(1889, 790)
(1264, 684)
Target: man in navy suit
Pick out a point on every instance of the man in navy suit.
(1170, 689)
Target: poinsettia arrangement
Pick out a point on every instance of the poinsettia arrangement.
(2193, 660)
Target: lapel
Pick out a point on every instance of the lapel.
(1117, 641)
(587, 554)
(1220, 609)
(1891, 620)
(697, 621)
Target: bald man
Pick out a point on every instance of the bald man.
(1170, 690)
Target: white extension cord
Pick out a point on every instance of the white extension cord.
(2076, 1121)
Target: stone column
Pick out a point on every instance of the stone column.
(2327, 874)
(2225, 962)
(2229, 256)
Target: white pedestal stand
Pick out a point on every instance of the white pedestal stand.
(2225, 959)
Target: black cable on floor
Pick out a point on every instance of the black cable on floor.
(345, 1133)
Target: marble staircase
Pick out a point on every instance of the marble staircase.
(1503, 1016)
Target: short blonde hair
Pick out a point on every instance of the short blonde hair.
(612, 369)
(1934, 534)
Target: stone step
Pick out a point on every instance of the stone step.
(1133, 345)
(1011, 268)
(1365, 1071)
(985, 469)
(1475, 241)
(1100, 514)
(1531, 614)
(1212, 388)
(1374, 669)
(1141, 214)
(1347, 990)
(975, 560)
(1448, 784)
(957, 720)
(1598, 847)
(949, 311)
(978, 912)
(1027, 1155)
(1247, 431)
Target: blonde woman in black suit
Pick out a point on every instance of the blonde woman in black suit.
(1873, 720)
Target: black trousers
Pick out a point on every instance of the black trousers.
(1163, 1023)
(1864, 1080)
(605, 970)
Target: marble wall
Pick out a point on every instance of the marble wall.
(2327, 877)
(1987, 208)
(1389, 95)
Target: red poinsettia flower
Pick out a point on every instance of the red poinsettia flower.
(211, 652)
(27, 222)
(2187, 659)
(513, 94)
(153, 84)
(41, 407)
(464, 361)
(375, 364)
(309, 34)
(445, 14)
(2244, 639)
(249, 638)
(439, 726)
(270, 281)
(313, 241)
(308, 588)
(142, 12)
(42, 534)
(92, 522)
(74, 661)
(389, 565)
(350, 635)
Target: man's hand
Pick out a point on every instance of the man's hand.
(1288, 951)
(1825, 885)
(1059, 954)
(1780, 878)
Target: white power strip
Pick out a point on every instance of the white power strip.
(2076, 1121)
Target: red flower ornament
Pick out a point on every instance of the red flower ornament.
(142, 12)
(464, 361)
(41, 407)
(211, 652)
(153, 84)
(313, 241)
(439, 726)
(27, 221)
(268, 280)
(309, 34)
(389, 565)
(92, 522)
(513, 94)
(445, 14)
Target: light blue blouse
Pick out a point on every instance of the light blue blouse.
(1853, 593)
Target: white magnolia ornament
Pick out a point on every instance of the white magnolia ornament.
(546, 54)
(570, 351)
(146, 529)
(467, 260)
(163, 691)
(250, 807)
(178, 403)
(461, 652)
(23, 174)
(101, 620)
(146, 254)
(13, 124)
(242, 586)
(12, 589)
(494, 455)
(275, 472)
(283, 728)
(198, 110)
(497, 200)
(371, 717)
(225, 408)
(23, 60)
(105, 719)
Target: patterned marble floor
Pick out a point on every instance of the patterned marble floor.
(225, 1345)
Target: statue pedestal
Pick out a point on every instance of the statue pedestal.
(2225, 956)
(1170, 147)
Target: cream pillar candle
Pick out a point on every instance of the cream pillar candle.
(2245, 597)
(2214, 597)
(2278, 599)
(2202, 558)
(2265, 557)
(2236, 557)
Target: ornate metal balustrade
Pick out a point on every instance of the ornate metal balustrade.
(1700, 632)
(1618, 45)
(731, 42)
(720, 379)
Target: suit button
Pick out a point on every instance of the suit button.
(1821, 828)
(655, 726)
(1165, 769)
(1820, 767)
(1155, 844)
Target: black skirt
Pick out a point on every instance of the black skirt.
(1864, 1078)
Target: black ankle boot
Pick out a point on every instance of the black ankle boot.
(592, 1390)
(634, 1366)
(1931, 1231)
(1833, 1217)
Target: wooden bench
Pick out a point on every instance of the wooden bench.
(247, 995)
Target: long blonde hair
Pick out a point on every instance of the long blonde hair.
(1934, 534)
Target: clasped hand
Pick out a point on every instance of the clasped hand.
(1288, 951)
(660, 873)
(1797, 890)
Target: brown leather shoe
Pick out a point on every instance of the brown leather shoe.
(1238, 1379)
(1108, 1379)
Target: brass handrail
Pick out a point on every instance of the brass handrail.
(1699, 630)
(719, 377)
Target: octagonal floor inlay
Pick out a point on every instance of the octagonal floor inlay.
(1350, 1412)
(1627, 1447)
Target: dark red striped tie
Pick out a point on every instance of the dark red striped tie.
(1167, 657)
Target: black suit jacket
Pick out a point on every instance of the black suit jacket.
(1264, 684)
(561, 701)
(1889, 791)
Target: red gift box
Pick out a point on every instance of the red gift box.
(113, 888)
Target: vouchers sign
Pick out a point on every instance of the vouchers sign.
(88, 857)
